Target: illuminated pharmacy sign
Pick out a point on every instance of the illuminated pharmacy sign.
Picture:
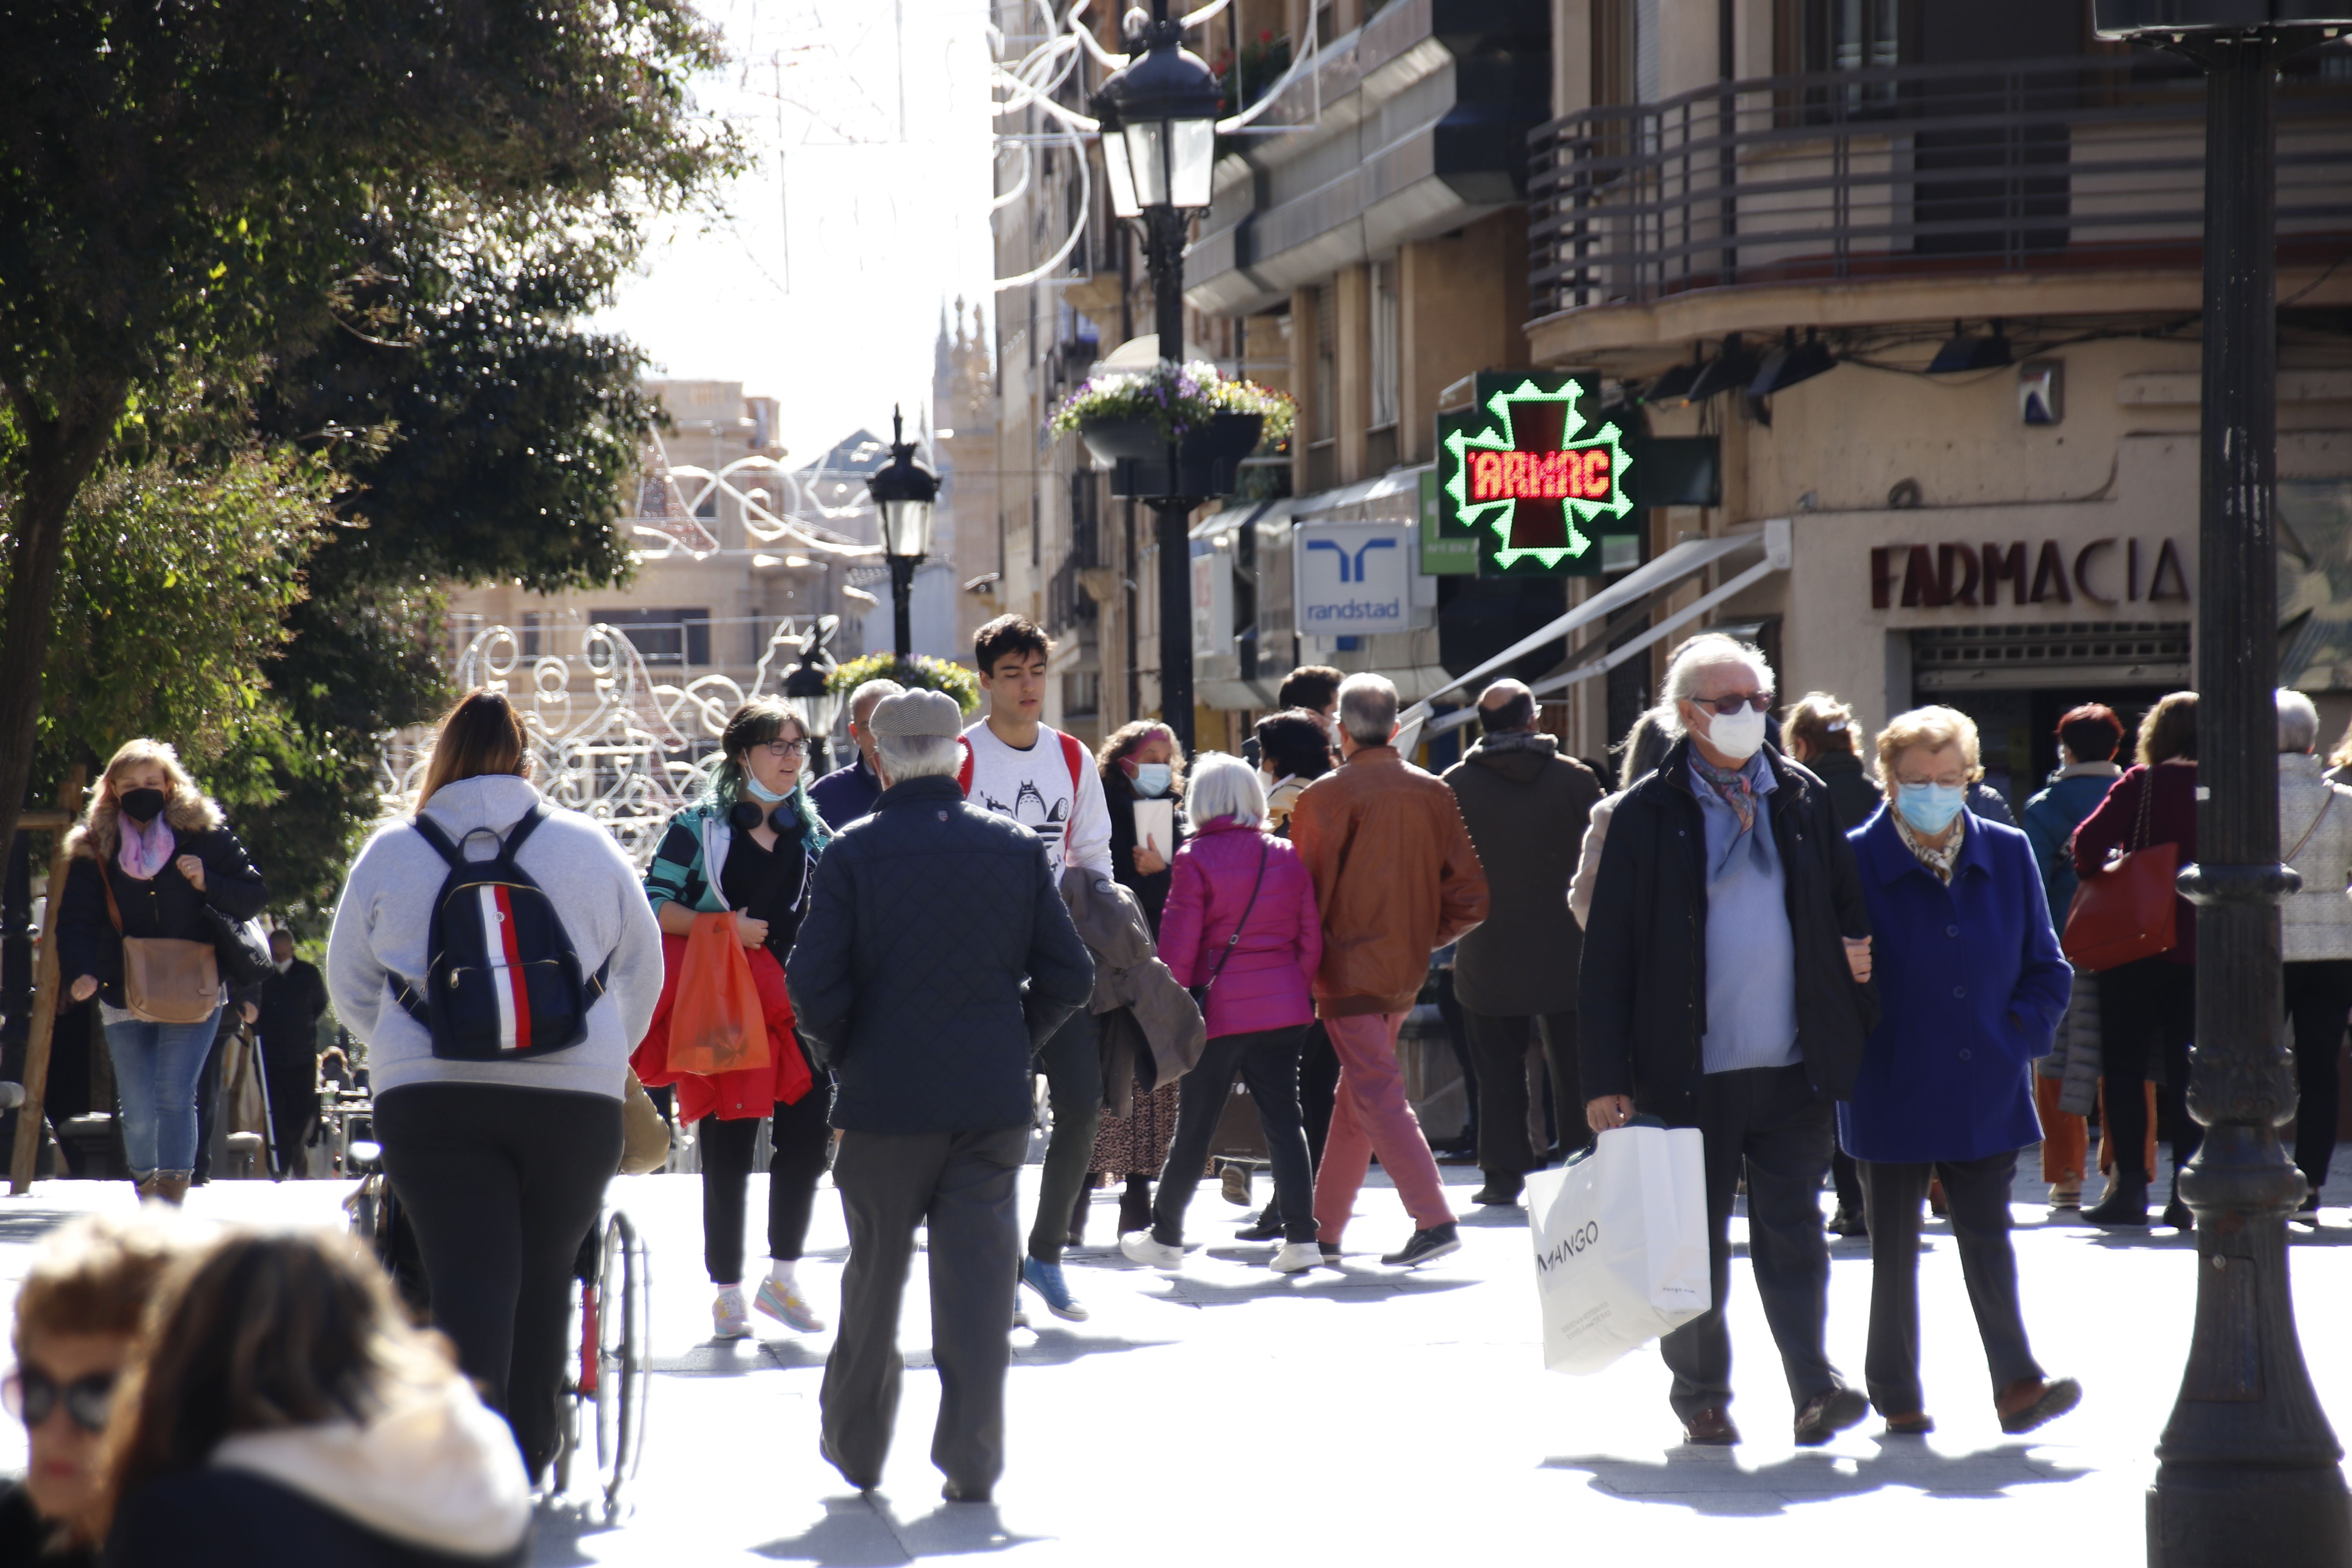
(1522, 472)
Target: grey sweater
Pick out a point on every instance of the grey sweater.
(387, 904)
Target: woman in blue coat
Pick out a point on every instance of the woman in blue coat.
(1972, 984)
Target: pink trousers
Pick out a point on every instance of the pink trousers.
(1370, 1115)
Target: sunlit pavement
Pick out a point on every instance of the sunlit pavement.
(1228, 1414)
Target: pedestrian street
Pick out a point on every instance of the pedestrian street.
(1230, 1415)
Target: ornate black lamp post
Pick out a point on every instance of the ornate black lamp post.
(1159, 141)
(804, 687)
(2248, 1468)
(904, 491)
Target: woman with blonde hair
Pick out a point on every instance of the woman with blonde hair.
(154, 861)
(281, 1413)
(1972, 986)
(750, 846)
(500, 1160)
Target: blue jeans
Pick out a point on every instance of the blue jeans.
(155, 1071)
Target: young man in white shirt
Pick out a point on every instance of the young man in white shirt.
(1019, 767)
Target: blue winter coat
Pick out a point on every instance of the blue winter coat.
(1972, 985)
(2051, 818)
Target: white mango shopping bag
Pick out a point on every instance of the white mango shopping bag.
(1621, 1245)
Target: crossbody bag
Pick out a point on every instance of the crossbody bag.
(1200, 992)
(165, 980)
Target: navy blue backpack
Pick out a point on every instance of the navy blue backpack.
(501, 980)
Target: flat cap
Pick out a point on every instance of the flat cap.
(932, 713)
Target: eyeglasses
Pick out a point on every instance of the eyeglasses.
(779, 750)
(1759, 700)
(31, 1394)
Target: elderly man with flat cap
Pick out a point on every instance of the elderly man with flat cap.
(934, 955)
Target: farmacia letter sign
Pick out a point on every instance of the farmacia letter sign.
(1522, 472)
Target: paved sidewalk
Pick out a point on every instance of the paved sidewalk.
(1230, 1416)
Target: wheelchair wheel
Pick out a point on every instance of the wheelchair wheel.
(622, 1376)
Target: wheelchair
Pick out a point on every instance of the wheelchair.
(602, 1402)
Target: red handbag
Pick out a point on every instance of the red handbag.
(2128, 910)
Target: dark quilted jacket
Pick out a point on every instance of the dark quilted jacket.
(936, 951)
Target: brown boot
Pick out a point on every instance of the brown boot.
(146, 1187)
(172, 1186)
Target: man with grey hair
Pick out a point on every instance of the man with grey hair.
(844, 795)
(1396, 879)
(934, 955)
(2314, 933)
(1726, 986)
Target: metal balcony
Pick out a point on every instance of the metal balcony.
(1912, 172)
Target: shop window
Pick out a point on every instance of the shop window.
(2314, 585)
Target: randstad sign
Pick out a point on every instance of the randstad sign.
(1353, 579)
(1528, 474)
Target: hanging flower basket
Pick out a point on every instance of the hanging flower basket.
(1179, 432)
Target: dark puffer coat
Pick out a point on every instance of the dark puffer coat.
(165, 905)
(1526, 808)
(1643, 996)
(936, 953)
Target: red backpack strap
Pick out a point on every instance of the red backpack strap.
(1075, 753)
(964, 768)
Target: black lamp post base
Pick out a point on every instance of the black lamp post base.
(2202, 1514)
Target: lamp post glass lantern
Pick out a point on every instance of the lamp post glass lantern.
(1160, 138)
(2248, 1468)
(905, 492)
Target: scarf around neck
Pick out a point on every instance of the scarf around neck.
(143, 850)
(1732, 785)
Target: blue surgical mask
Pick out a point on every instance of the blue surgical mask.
(1930, 807)
(1153, 779)
(760, 791)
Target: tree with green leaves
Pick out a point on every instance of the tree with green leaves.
(188, 184)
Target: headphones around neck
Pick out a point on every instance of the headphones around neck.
(746, 814)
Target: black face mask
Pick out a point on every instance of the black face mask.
(142, 806)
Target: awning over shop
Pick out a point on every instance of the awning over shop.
(1657, 577)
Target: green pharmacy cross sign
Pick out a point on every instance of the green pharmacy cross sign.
(1520, 473)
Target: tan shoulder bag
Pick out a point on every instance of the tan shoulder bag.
(165, 979)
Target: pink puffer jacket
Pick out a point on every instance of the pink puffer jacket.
(1267, 984)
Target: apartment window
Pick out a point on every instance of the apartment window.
(1081, 694)
(530, 634)
(1327, 24)
(663, 637)
(1386, 365)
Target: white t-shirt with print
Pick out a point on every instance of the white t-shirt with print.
(1033, 788)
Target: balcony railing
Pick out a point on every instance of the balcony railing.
(1909, 170)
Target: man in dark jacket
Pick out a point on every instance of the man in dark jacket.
(844, 795)
(1725, 987)
(1526, 808)
(935, 956)
(293, 1000)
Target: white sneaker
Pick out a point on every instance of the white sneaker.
(1298, 1257)
(729, 1318)
(1142, 1246)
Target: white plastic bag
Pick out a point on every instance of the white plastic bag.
(1620, 1244)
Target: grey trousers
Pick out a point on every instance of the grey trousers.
(1977, 1194)
(964, 1185)
(1072, 1063)
(1766, 1121)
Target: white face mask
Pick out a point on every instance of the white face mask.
(281, 965)
(1735, 735)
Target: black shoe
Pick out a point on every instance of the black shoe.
(2177, 1216)
(1827, 1414)
(1332, 1255)
(956, 1491)
(1434, 1242)
(2307, 1212)
(824, 1452)
(1267, 1226)
(2123, 1208)
(1500, 1191)
(1846, 1222)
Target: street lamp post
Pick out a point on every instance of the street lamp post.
(1159, 151)
(806, 695)
(904, 491)
(2248, 1468)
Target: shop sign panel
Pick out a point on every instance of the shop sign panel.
(1529, 474)
(1353, 579)
(1975, 575)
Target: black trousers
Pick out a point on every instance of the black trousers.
(1498, 1044)
(1766, 1121)
(1319, 1087)
(964, 1187)
(1072, 1063)
(289, 1065)
(2146, 1010)
(798, 1141)
(1847, 1177)
(502, 1184)
(1268, 1064)
(2318, 999)
(1976, 1193)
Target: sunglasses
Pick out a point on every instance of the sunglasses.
(1759, 700)
(779, 750)
(30, 1394)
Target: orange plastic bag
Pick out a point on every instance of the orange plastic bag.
(717, 1024)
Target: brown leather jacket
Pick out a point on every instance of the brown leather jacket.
(1395, 877)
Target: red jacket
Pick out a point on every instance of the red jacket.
(2114, 824)
(733, 1096)
(1267, 984)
